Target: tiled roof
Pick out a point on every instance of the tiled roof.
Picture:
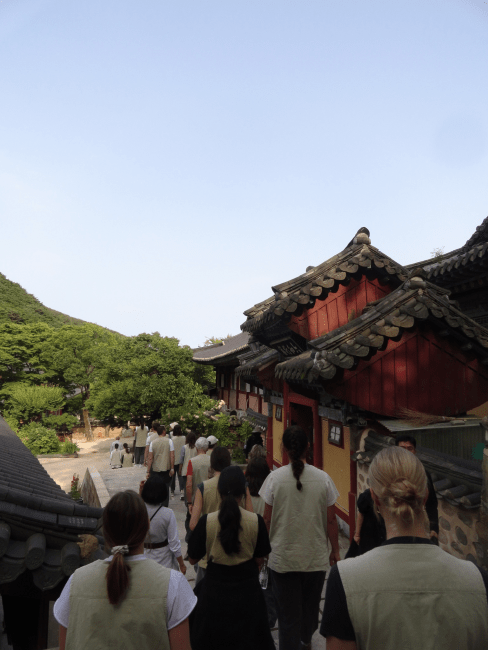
(39, 523)
(225, 351)
(357, 258)
(457, 481)
(252, 362)
(415, 300)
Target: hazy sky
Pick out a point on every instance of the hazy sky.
(163, 164)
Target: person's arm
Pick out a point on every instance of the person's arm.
(197, 544)
(62, 637)
(359, 523)
(333, 643)
(172, 460)
(268, 511)
(146, 453)
(248, 505)
(189, 484)
(174, 542)
(196, 510)
(179, 636)
(333, 535)
(149, 462)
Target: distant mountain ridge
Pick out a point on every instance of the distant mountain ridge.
(18, 306)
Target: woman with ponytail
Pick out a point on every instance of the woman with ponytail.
(300, 516)
(126, 601)
(231, 611)
(407, 593)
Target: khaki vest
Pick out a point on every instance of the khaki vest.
(415, 596)
(126, 460)
(178, 442)
(138, 622)
(189, 454)
(200, 464)
(115, 458)
(161, 459)
(298, 531)
(211, 503)
(258, 505)
(248, 537)
(141, 436)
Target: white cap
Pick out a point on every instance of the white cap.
(172, 425)
(212, 440)
(201, 443)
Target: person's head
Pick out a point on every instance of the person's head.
(212, 441)
(256, 472)
(141, 422)
(126, 447)
(125, 524)
(191, 439)
(155, 490)
(118, 437)
(219, 458)
(155, 425)
(258, 451)
(407, 442)
(398, 483)
(116, 446)
(201, 445)
(295, 443)
(231, 487)
(177, 430)
(161, 430)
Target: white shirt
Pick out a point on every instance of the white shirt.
(267, 489)
(179, 604)
(171, 445)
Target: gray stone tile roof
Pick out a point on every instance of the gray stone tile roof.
(39, 523)
(357, 259)
(414, 301)
(223, 352)
(252, 362)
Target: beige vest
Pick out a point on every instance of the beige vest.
(178, 442)
(141, 436)
(126, 460)
(138, 622)
(415, 596)
(258, 505)
(115, 458)
(211, 503)
(248, 537)
(200, 464)
(189, 454)
(298, 531)
(161, 459)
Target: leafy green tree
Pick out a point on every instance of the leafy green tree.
(144, 375)
(27, 403)
(21, 351)
(39, 439)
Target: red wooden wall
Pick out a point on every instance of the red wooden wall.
(338, 308)
(422, 372)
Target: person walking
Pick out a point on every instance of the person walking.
(115, 442)
(300, 516)
(255, 438)
(187, 453)
(161, 459)
(115, 460)
(178, 443)
(162, 543)
(231, 612)
(152, 435)
(105, 603)
(127, 456)
(407, 593)
(370, 530)
(197, 470)
(140, 436)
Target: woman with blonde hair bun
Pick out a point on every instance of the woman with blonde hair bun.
(407, 593)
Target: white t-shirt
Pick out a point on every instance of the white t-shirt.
(171, 445)
(179, 604)
(267, 489)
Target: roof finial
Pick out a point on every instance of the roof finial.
(362, 237)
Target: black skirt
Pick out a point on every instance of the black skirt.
(231, 610)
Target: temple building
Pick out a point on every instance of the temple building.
(361, 348)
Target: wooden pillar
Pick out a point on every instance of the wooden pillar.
(317, 434)
(269, 440)
(286, 419)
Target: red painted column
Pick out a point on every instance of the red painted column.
(317, 431)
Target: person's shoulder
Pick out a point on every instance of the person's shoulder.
(245, 514)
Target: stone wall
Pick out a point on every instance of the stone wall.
(459, 529)
(93, 489)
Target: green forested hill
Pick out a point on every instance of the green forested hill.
(18, 306)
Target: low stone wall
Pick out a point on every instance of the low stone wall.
(93, 490)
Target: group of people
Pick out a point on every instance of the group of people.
(403, 593)
(120, 455)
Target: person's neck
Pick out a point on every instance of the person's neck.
(396, 529)
(139, 550)
(200, 452)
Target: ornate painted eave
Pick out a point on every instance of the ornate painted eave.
(414, 301)
(358, 258)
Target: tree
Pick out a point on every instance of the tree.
(437, 252)
(21, 349)
(29, 403)
(213, 340)
(144, 375)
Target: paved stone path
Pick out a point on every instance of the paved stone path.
(96, 454)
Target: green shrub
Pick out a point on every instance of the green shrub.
(58, 422)
(39, 439)
(238, 456)
(68, 447)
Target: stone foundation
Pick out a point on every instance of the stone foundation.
(93, 490)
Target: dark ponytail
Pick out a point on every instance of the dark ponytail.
(125, 523)
(231, 486)
(295, 442)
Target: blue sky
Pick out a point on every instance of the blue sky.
(163, 164)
